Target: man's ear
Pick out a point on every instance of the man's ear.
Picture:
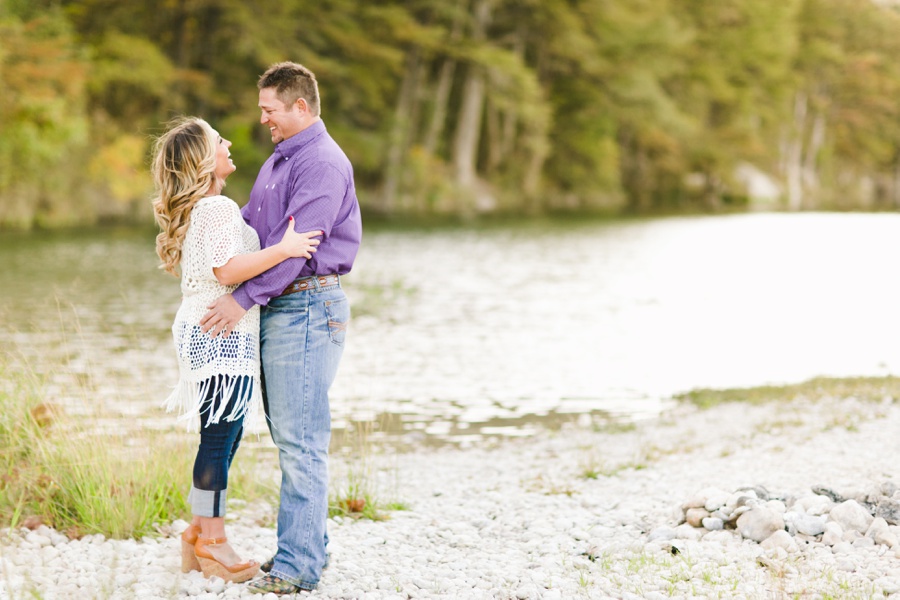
(301, 104)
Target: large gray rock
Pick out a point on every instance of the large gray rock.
(851, 515)
(889, 510)
(759, 523)
(828, 493)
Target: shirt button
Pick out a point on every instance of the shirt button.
(259, 209)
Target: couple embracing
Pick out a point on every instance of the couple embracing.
(259, 325)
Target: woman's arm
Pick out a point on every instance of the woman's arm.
(242, 267)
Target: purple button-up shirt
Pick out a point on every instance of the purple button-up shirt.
(310, 178)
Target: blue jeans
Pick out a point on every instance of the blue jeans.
(218, 444)
(301, 342)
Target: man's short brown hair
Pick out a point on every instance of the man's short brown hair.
(292, 81)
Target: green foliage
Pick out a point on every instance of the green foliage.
(586, 104)
(733, 85)
(130, 77)
(53, 470)
(42, 75)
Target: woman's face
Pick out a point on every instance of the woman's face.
(224, 165)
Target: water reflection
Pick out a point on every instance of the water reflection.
(457, 334)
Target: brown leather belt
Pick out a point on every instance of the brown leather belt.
(306, 283)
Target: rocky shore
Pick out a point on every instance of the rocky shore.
(779, 500)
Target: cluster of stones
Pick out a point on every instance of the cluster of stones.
(845, 521)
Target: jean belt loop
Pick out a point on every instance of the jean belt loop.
(315, 281)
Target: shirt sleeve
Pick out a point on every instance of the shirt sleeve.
(221, 233)
(314, 203)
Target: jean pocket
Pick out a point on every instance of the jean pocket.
(292, 303)
(338, 313)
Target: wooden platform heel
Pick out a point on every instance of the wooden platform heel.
(189, 560)
(237, 573)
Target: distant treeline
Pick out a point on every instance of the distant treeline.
(458, 107)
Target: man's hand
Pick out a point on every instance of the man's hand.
(223, 315)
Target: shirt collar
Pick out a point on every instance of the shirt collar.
(293, 144)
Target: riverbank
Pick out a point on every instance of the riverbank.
(567, 514)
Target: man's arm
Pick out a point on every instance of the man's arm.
(315, 203)
(242, 267)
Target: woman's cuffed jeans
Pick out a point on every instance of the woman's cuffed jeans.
(218, 444)
(301, 342)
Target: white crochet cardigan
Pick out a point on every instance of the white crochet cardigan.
(216, 233)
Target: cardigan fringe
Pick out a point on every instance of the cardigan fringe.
(187, 397)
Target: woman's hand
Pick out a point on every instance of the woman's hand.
(296, 245)
(242, 267)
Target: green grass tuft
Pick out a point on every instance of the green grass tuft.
(54, 471)
(862, 388)
(356, 493)
(57, 471)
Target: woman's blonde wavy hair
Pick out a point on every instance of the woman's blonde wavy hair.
(184, 171)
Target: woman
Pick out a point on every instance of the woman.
(204, 234)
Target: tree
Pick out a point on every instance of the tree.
(42, 117)
(735, 84)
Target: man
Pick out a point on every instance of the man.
(304, 312)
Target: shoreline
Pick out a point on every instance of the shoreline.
(562, 514)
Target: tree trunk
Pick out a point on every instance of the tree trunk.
(531, 183)
(468, 126)
(794, 158)
(442, 95)
(633, 169)
(501, 117)
(534, 137)
(465, 146)
(494, 141)
(895, 192)
(810, 172)
(441, 99)
(398, 138)
(510, 117)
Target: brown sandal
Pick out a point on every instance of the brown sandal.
(210, 566)
(189, 560)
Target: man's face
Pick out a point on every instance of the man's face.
(282, 121)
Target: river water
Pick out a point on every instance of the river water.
(462, 334)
